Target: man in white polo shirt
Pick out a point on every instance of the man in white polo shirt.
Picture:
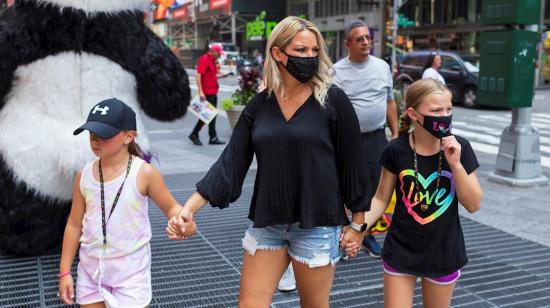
(367, 80)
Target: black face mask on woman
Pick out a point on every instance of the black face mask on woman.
(301, 68)
(439, 127)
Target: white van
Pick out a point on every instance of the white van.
(228, 61)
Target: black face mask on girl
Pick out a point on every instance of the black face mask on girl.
(301, 68)
(439, 127)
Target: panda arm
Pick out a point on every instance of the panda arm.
(162, 83)
(8, 60)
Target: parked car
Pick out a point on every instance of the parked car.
(461, 75)
(245, 61)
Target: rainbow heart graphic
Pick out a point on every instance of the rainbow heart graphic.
(440, 197)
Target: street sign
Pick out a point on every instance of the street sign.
(259, 29)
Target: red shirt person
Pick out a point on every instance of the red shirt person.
(207, 84)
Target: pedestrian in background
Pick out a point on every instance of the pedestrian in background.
(207, 85)
(306, 138)
(115, 255)
(367, 80)
(431, 69)
(258, 57)
(432, 171)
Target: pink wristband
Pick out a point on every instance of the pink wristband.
(60, 275)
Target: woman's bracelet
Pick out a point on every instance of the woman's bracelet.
(61, 275)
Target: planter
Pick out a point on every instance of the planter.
(233, 114)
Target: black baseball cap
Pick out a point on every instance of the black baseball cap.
(107, 118)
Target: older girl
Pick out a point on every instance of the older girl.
(431, 170)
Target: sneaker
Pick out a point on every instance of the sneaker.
(287, 282)
(216, 140)
(195, 139)
(372, 247)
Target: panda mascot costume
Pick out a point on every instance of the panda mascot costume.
(58, 58)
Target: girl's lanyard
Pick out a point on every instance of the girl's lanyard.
(103, 221)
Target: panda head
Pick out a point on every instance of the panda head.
(100, 6)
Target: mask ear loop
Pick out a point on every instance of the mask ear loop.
(417, 121)
(279, 61)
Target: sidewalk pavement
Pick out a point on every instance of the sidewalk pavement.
(506, 241)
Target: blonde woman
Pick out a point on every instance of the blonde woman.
(306, 138)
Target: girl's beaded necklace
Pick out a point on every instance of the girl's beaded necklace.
(424, 207)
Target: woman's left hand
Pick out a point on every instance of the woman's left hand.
(452, 150)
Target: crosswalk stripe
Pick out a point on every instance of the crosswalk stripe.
(541, 119)
(489, 130)
(496, 132)
(484, 132)
(222, 88)
(504, 119)
(487, 139)
(537, 117)
(491, 149)
(542, 115)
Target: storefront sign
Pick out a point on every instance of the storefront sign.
(167, 9)
(218, 4)
(181, 13)
(404, 21)
(259, 29)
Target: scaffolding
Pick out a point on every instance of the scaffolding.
(195, 35)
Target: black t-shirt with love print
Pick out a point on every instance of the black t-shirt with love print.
(425, 237)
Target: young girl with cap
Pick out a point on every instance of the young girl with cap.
(431, 171)
(109, 215)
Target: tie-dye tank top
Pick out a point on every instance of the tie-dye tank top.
(128, 228)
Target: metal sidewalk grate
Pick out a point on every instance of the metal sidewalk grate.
(204, 271)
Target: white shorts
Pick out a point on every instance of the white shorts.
(126, 280)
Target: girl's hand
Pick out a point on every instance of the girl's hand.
(66, 289)
(352, 248)
(173, 230)
(176, 231)
(452, 150)
(349, 241)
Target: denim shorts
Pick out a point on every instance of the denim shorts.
(315, 247)
(443, 280)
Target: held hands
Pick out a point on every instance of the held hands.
(181, 226)
(350, 241)
(451, 149)
(66, 289)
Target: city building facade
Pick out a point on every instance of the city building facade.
(332, 15)
(455, 25)
(188, 26)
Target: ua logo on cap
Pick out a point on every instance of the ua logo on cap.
(103, 110)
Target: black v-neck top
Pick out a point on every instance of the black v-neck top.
(308, 166)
